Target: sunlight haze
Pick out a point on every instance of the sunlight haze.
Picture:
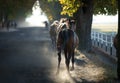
(105, 23)
(105, 19)
(38, 16)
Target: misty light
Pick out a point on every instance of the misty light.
(38, 17)
(105, 19)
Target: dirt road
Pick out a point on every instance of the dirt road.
(26, 56)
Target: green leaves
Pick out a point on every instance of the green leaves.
(52, 8)
(108, 7)
(69, 6)
(14, 8)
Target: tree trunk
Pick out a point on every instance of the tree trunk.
(84, 22)
(118, 38)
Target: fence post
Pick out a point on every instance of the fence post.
(111, 44)
(98, 39)
(106, 42)
(101, 40)
(93, 37)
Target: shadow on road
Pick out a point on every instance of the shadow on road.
(27, 56)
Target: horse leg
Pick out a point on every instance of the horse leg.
(69, 57)
(72, 59)
(52, 41)
(59, 60)
(66, 59)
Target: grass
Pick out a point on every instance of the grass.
(107, 28)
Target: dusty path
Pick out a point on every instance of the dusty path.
(26, 56)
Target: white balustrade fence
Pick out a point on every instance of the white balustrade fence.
(104, 41)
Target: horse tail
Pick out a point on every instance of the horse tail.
(68, 38)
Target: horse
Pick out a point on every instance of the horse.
(13, 24)
(53, 32)
(66, 41)
(61, 24)
(6, 24)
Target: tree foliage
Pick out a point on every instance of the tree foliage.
(108, 7)
(70, 6)
(82, 11)
(13, 8)
(52, 8)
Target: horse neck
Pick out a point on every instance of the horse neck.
(73, 27)
(60, 26)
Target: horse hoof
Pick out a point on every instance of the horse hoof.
(72, 69)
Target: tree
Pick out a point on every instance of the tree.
(118, 42)
(10, 9)
(84, 21)
(83, 15)
(82, 11)
(52, 8)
